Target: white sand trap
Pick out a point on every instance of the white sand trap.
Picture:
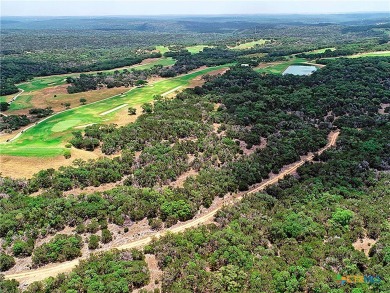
(112, 110)
(171, 91)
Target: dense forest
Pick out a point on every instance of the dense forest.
(295, 237)
(323, 229)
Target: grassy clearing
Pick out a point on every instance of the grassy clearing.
(371, 54)
(22, 102)
(39, 83)
(197, 48)
(248, 45)
(319, 51)
(162, 49)
(164, 62)
(279, 68)
(47, 138)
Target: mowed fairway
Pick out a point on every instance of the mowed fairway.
(48, 137)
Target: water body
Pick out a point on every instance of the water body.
(299, 70)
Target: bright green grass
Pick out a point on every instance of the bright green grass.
(279, 68)
(197, 48)
(319, 51)
(39, 83)
(3, 99)
(249, 44)
(48, 137)
(162, 49)
(22, 102)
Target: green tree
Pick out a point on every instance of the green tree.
(342, 216)
(23, 248)
(106, 236)
(93, 242)
(132, 111)
(6, 262)
(4, 106)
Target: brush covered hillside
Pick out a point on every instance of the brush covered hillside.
(229, 177)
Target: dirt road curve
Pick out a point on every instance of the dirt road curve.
(27, 277)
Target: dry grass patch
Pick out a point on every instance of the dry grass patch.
(28, 166)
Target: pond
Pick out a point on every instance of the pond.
(300, 70)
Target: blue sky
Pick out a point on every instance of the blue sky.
(155, 7)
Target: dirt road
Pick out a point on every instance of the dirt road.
(27, 277)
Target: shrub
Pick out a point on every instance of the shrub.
(93, 242)
(93, 227)
(106, 236)
(342, 217)
(60, 248)
(67, 154)
(6, 262)
(23, 248)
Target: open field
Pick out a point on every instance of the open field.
(162, 49)
(162, 61)
(371, 54)
(22, 102)
(8, 98)
(280, 67)
(47, 138)
(196, 49)
(319, 51)
(248, 44)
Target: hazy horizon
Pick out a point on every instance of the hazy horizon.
(88, 8)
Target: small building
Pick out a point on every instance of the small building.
(245, 65)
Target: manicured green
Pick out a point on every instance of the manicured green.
(48, 137)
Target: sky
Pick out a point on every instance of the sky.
(186, 7)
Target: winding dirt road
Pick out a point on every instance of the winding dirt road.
(51, 270)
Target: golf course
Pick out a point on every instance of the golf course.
(48, 137)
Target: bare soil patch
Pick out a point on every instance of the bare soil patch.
(364, 244)
(155, 274)
(199, 81)
(382, 109)
(247, 152)
(180, 180)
